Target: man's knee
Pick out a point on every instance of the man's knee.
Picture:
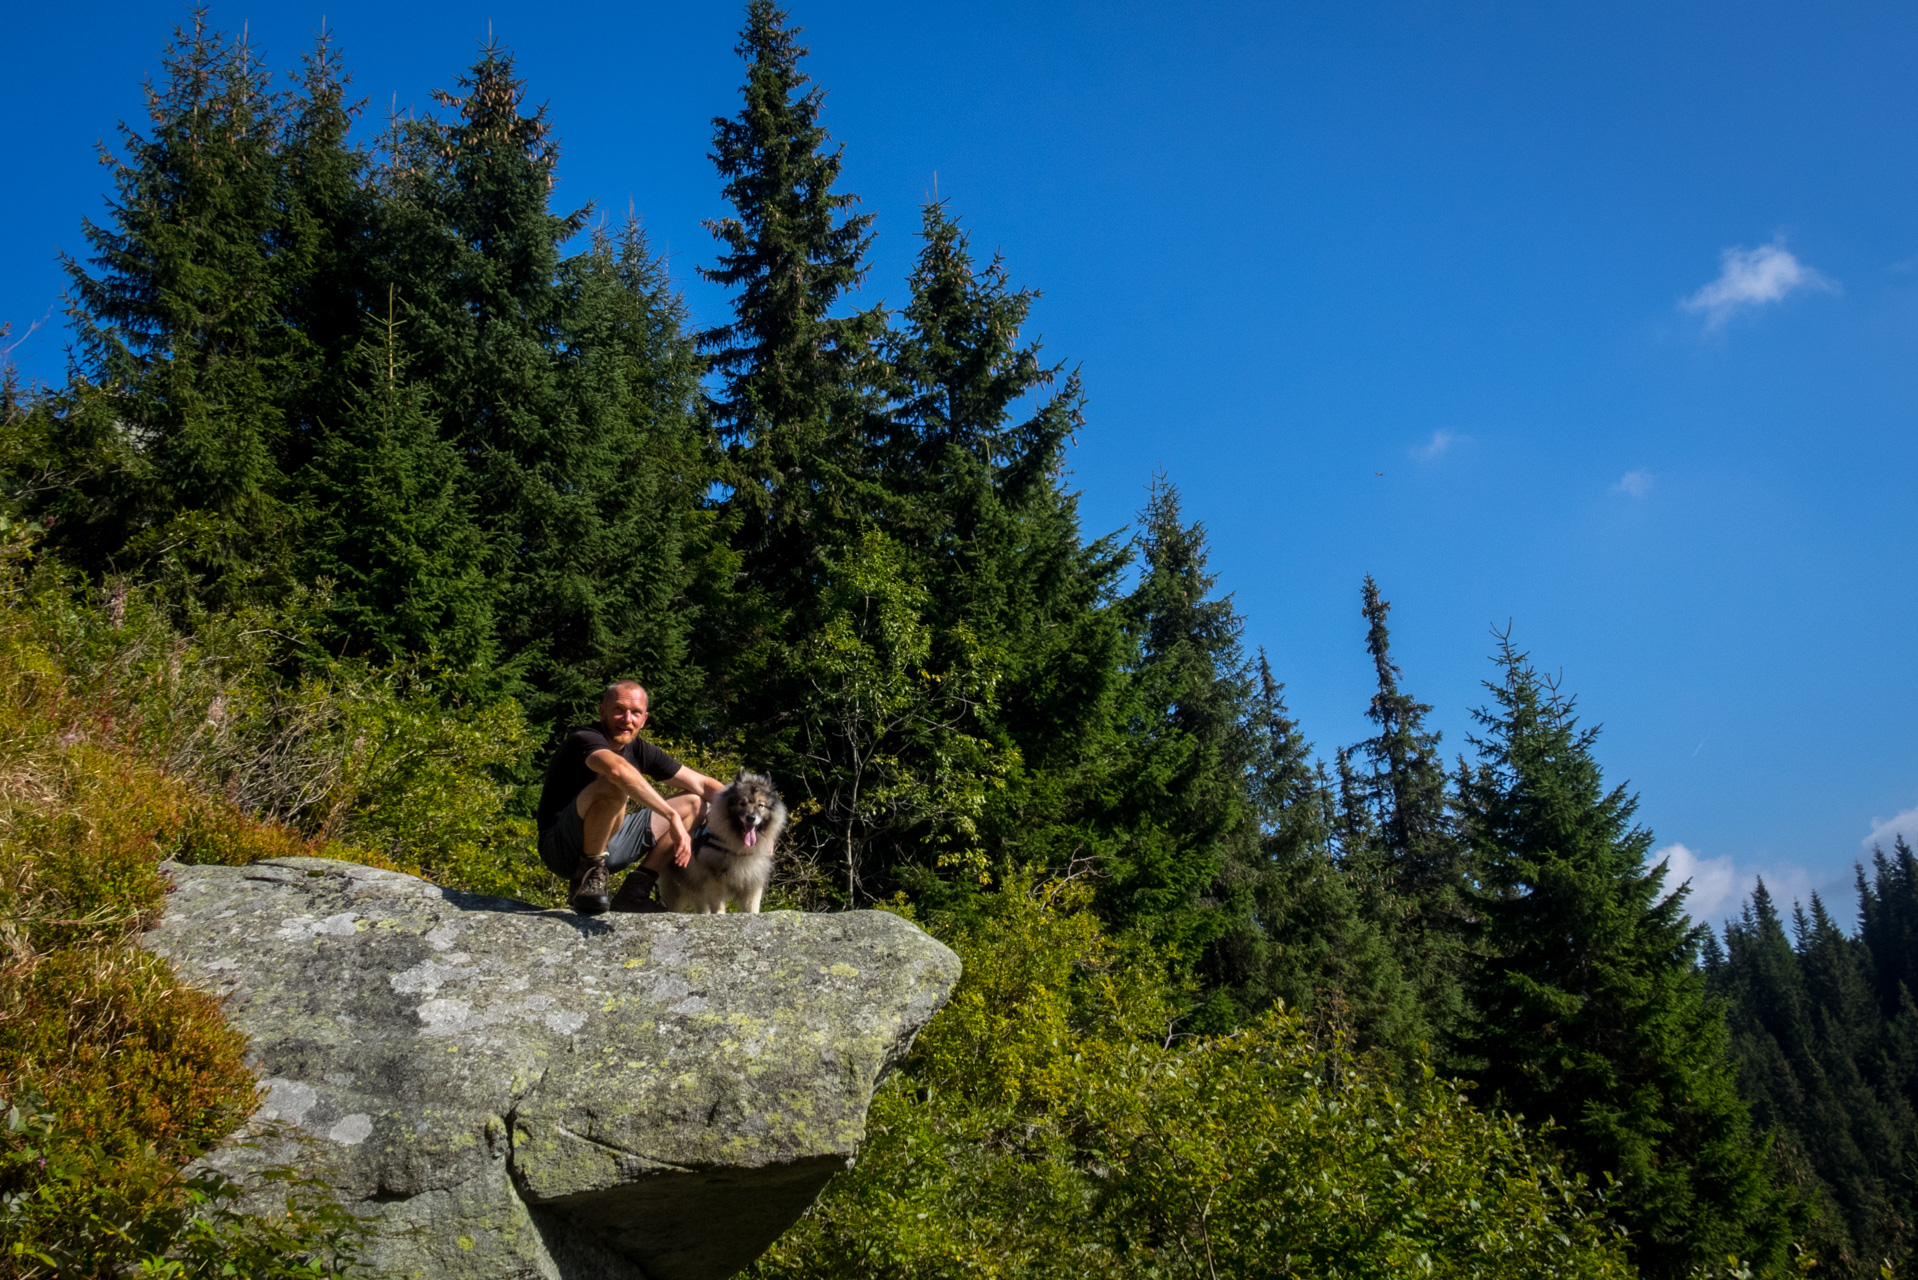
(599, 794)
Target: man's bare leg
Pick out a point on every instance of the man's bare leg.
(602, 808)
(636, 893)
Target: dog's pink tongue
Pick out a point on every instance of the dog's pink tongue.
(752, 836)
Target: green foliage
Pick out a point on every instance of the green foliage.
(392, 531)
(889, 736)
(124, 1073)
(1825, 1048)
(1417, 855)
(388, 760)
(565, 386)
(59, 1221)
(305, 366)
(1297, 930)
(182, 318)
(1591, 1012)
(795, 406)
(1397, 840)
(1049, 1123)
(1177, 767)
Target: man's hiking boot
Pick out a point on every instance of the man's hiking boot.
(590, 885)
(635, 896)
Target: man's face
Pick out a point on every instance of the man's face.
(623, 715)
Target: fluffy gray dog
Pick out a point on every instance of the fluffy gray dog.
(732, 853)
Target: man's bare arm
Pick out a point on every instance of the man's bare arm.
(696, 783)
(619, 771)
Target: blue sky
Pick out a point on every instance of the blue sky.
(1622, 302)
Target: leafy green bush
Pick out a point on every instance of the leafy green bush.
(60, 1221)
(1051, 1122)
(125, 742)
(390, 761)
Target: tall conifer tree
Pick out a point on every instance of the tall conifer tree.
(971, 470)
(565, 387)
(978, 493)
(1829, 1071)
(1407, 787)
(798, 407)
(1177, 777)
(319, 243)
(393, 529)
(1295, 929)
(1888, 921)
(1591, 1011)
(179, 329)
(1400, 838)
(643, 462)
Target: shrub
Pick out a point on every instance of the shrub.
(61, 1221)
(1053, 1123)
(125, 743)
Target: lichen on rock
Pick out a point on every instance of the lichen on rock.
(512, 1092)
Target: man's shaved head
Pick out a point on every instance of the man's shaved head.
(618, 687)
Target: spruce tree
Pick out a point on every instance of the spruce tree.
(1826, 1069)
(1888, 921)
(181, 342)
(643, 460)
(798, 404)
(1177, 779)
(977, 495)
(963, 478)
(1397, 839)
(1406, 791)
(393, 534)
(566, 388)
(1591, 1012)
(1294, 926)
(857, 656)
(320, 248)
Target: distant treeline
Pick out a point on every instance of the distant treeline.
(371, 388)
(1826, 1038)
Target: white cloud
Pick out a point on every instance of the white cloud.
(1752, 278)
(1717, 888)
(1721, 888)
(1636, 483)
(1885, 831)
(1437, 447)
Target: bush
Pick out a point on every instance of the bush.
(1053, 1123)
(124, 743)
(59, 1219)
(391, 762)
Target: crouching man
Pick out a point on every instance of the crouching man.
(585, 833)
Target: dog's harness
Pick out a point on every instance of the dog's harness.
(702, 837)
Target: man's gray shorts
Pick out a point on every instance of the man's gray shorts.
(562, 844)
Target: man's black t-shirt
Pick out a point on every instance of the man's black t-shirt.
(569, 774)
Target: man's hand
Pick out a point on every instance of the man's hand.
(683, 851)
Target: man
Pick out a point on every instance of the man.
(585, 833)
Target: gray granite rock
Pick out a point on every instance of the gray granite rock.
(511, 1092)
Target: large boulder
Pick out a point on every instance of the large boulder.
(510, 1092)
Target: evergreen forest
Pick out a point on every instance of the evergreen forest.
(373, 466)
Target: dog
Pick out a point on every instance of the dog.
(732, 853)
